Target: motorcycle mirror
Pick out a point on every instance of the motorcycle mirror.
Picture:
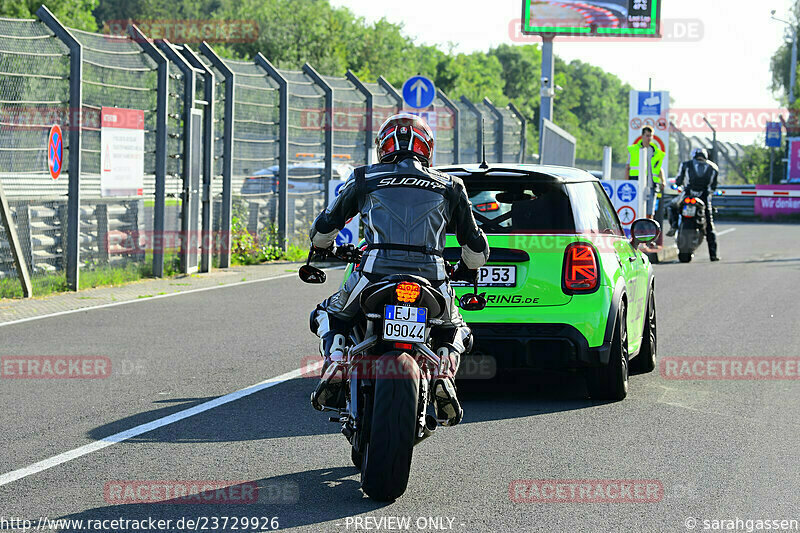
(311, 274)
(472, 302)
(644, 230)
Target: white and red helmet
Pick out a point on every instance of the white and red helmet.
(404, 134)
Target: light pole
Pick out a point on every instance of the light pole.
(793, 76)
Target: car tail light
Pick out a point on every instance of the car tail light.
(489, 206)
(407, 292)
(581, 273)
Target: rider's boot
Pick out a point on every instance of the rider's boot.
(445, 400)
(330, 391)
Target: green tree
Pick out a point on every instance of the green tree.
(71, 13)
(780, 64)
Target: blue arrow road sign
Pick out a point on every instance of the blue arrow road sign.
(418, 92)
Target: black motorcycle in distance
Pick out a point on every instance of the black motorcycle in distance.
(691, 224)
(388, 368)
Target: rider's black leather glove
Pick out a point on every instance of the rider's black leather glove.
(321, 253)
(462, 273)
(348, 253)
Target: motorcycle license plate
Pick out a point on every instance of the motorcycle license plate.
(404, 324)
(689, 210)
(494, 276)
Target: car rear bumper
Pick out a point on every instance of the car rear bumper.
(515, 347)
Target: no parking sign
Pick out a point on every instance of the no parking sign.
(55, 151)
(349, 234)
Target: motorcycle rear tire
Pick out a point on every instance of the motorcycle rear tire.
(386, 464)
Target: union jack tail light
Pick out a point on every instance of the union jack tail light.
(581, 272)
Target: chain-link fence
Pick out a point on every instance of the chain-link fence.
(34, 95)
(513, 134)
(84, 229)
(117, 73)
(444, 124)
(469, 128)
(492, 134)
(309, 123)
(254, 184)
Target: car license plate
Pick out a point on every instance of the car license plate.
(494, 276)
(689, 210)
(403, 323)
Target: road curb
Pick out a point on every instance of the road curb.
(664, 254)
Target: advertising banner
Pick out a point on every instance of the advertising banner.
(770, 207)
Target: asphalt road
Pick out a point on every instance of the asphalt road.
(720, 449)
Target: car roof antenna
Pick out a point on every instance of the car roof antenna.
(483, 164)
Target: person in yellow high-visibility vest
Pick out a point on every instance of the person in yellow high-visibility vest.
(654, 170)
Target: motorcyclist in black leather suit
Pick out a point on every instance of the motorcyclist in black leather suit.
(703, 176)
(406, 209)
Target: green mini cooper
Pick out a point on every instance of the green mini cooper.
(565, 288)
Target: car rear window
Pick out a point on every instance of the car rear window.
(522, 207)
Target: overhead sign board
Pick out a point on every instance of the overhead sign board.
(590, 18)
(121, 152)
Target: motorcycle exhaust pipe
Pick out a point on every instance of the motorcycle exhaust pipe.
(427, 429)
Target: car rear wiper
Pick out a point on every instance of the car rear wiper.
(491, 223)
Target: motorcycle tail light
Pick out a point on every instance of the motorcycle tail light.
(407, 291)
(580, 268)
(403, 346)
(489, 206)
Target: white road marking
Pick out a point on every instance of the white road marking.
(150, 426)
(151, 298)
(721, 233)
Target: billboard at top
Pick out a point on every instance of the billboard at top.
(603, 18)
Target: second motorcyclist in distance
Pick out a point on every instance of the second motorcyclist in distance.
(702, 174)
